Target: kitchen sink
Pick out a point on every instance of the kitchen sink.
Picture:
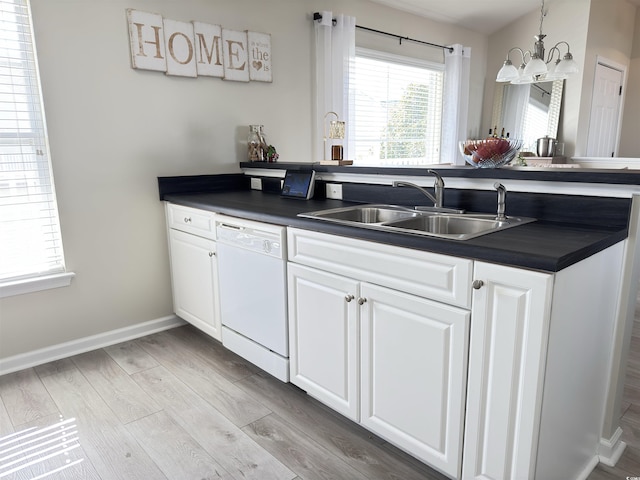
(369, 214)
(455, 226)
(393, 218)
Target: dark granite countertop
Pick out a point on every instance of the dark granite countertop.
(541, 245)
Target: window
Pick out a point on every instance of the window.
(398, 110)
(30, 241)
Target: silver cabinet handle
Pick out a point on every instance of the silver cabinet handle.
(361, 300)
(348, 298)
(477, 284)
(211, 254)
(187, 219)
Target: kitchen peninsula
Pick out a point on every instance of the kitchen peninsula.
(545, 302)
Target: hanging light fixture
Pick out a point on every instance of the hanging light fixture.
(534, 66)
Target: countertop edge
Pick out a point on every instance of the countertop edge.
(476, 250)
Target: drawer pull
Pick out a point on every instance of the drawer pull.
(211, 254)
(477, 284)
(187, 219)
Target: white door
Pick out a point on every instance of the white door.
(194, 277)
(323, 337)
(605, 112)
(509, 330)
(414, 371)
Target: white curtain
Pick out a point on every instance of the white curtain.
(335, 51)
(455, 102)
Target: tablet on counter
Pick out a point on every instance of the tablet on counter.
(299, 184)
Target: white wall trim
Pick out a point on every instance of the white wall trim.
(584, 475)
(86, 344)
(35, 284)
(610, 449)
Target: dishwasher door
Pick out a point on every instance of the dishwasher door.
(253, 295)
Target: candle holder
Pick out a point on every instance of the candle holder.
(336, 132)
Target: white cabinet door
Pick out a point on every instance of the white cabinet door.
(323, 337)
(194, 276)
(413, 368)
(509, 331)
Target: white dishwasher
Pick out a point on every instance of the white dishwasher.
(253, 294)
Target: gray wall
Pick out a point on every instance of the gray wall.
(592, 27)
(113, 130)
(629, 138)
(567, 20)
(611, 33)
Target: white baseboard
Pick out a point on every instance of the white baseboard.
(611, 449)
(86, 344)
(593, 463)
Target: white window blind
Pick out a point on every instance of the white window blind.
(535, 126)
(536, 116)
(30, 240)
(398, 110)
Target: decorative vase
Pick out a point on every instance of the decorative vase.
(254, 141)
(263, 144)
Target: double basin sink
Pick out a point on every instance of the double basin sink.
(435, 222)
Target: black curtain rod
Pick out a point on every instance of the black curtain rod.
(541, 89)
(318, 16)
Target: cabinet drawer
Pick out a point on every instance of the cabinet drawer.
(191, 220)
(429, 275)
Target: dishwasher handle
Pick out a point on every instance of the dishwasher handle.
(228, 225)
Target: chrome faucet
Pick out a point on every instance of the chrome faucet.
(502, 194)
(438, 186)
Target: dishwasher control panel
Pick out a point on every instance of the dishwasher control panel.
(258, 237)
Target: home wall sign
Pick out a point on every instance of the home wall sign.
(196, 49)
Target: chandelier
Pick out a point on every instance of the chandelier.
(534, 66)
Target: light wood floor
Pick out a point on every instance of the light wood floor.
(177, 405)
(629, 463)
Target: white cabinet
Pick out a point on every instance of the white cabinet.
(506, 371)
(413, 373)
(193, 263)
(191, 220)
(399, 341)
(540, 346)
(323, 337)
(394, 361)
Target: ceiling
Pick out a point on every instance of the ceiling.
(477, 15)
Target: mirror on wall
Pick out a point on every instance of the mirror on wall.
(528, 111)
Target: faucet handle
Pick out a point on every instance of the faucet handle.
(439, 181)
(502, 193)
